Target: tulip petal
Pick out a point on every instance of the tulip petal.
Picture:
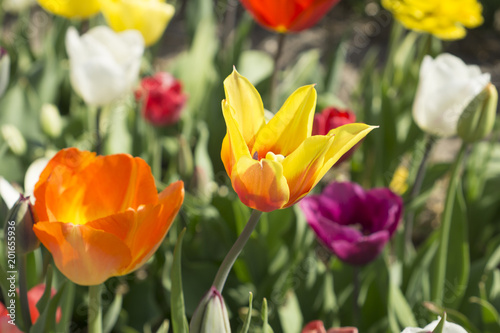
(361, 252)
(290, 126)
(148, 17)
(110, 185)
(68, 162)
(233, 146)
(246, 104)
(84, 255)
(260, 184)
(71, 8)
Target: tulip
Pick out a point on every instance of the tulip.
(446, 86)
(149, 17)
(71, 8)
(51, 120)
(288, 15)
(331, 118)
(448, 328)
(103, 64)
(19, 224)
(352, 223)
(211, 314)
(273, 165)
(4, 70)
(101, 216)
(445, 19)
(34, 295)
(162, 99)
(14, 139)
(317, 326)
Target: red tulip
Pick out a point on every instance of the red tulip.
(288, 15)
(331, 118)
(162, 99)
(317, 326)
(34, 295)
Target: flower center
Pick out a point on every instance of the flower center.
(269, 156)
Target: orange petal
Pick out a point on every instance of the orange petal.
(68, 161)
(260, 185)
(84, 255)
(109, 185)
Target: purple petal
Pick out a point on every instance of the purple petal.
(361, 252)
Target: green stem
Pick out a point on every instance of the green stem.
(95, 310)
(415, 191)
(98, 138)
(232, 255)
(23, 292)
(356, 310)
(274, 77)
(156, 158)
(444, 238)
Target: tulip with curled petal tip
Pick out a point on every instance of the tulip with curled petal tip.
(104, 65)
(446, 86)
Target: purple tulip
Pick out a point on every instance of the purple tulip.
(353, 223)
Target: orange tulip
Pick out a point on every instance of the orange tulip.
(273, 165)
(101, 216)
(288, 15)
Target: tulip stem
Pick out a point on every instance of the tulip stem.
(98, 138)
(23, 292)
(355, 296)
(439, 280)
(274, 77)
(232, 255)
(417, 186)
(95, 310)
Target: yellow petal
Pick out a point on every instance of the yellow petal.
(305, 167)
(233, 146)
(84, 255)
(246, 105)
(260, 184)
(290, 126)
(71, 8)
(150, 18)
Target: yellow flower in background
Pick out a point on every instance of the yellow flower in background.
(273, 165)
(150, 17)
(399, 182)
(445, 19)
(71, 8)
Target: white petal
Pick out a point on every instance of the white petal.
(8, 193)
(446, 86)
(448, 327)
(33, 174)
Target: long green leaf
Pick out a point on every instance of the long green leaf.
(179, 320)
(248, 318)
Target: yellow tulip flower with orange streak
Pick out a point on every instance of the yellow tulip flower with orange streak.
(445, 19)
(149, 17)
(273, 165)
(71, 8)
(101, 216)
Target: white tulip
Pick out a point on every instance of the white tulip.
(448, 328)
(16, 6)
(10, 194)
(103, 64)
(4, 70)
(447, 85)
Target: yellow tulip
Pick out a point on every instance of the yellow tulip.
(445, 19)
(273, 165)
(71, 8)
(150, 17)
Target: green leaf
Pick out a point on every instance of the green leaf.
(46, 321)
(248, 318)
(164, 327)
(179, 320)
(491, 318)
(290, 314)
(439, 328)
(256, 66)
(113, 313)
(44, 300)
(401, 308)
(264, 315)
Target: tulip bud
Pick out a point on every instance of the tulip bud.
(4, 70)
(478, 119)
(210, 315)
(51, 121)
(14, 139)
(19, 226)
